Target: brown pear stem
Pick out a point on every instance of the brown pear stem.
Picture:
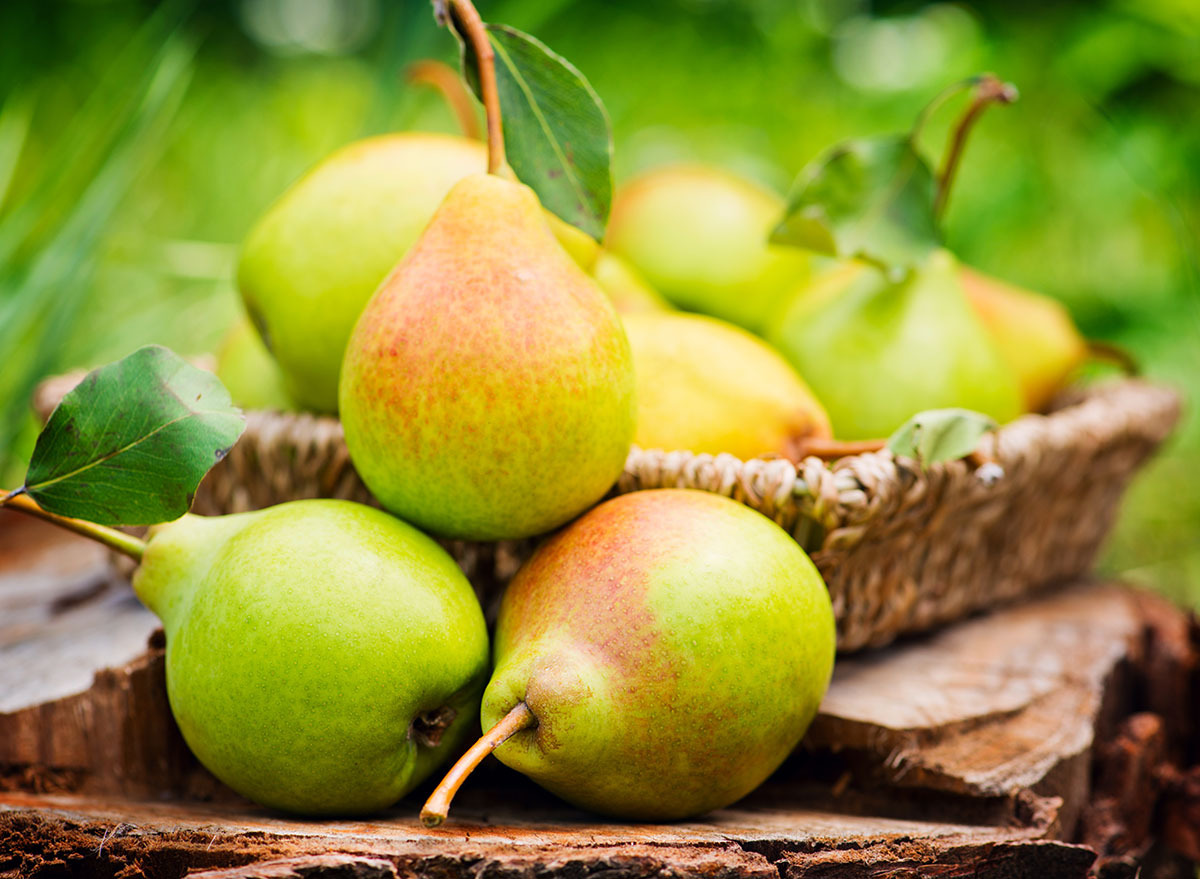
(832, 449)
(1106, 352)
(437, 807)
(442, 78)
(988, 91)
(940, 98)
(472, 29)
(110, 537)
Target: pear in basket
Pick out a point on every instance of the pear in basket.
(876, 350)
(1033, 333)
(704, 385)
(699, 236)
(487, 390)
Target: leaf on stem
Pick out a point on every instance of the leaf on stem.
(870, 198)
(940, 435)
(131, 442)
(556, 131)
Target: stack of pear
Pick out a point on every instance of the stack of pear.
(877, 351)
(699, 236)
(488, 390)
(707, 386)
(322, 657)
(658, 658)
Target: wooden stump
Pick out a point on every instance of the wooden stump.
(1047, 739)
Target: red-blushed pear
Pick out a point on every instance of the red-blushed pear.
(656, 659)
(487, 389)
(1033, 333)
(313, 260)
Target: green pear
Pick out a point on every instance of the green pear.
(627, 289)
(877, 351)
(1033, 333)
(249, 372)
(708, 386)
(656, 659)
(488, 390)
(322, 656)
(699, 235)
(313, 260)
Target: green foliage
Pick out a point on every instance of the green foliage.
(870, 198)
(556, 133)
(940, 435)
(131, 442)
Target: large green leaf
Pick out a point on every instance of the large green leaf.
(940, 435)
(129, 445)
(556, 133)
(870, 198)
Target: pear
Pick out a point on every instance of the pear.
(708, 386)
(322, 656)
(248, 371)
(313, 260)
(699, 235)
(1033, 333)
(657, 659)
(626, 288)
(487, 389)
(878, 351)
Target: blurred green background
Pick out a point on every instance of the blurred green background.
(139, 141)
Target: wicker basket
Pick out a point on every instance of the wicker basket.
(901, 548)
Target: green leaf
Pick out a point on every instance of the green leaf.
(870, 198)
(556, 133)
(129, 445)
(940, 435)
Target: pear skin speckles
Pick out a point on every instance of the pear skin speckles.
(673, 646)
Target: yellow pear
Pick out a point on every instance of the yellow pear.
(1032, 333)
(707, 386)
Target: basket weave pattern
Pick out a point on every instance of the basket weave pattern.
(901, 548)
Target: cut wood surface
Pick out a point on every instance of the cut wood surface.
(990, 748)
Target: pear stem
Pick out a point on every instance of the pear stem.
(110, 537)
(472, 28)
(988, 91)
(832, 449)
(1106, 352)
(442, 78)
(437, 807)
(940, 98)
